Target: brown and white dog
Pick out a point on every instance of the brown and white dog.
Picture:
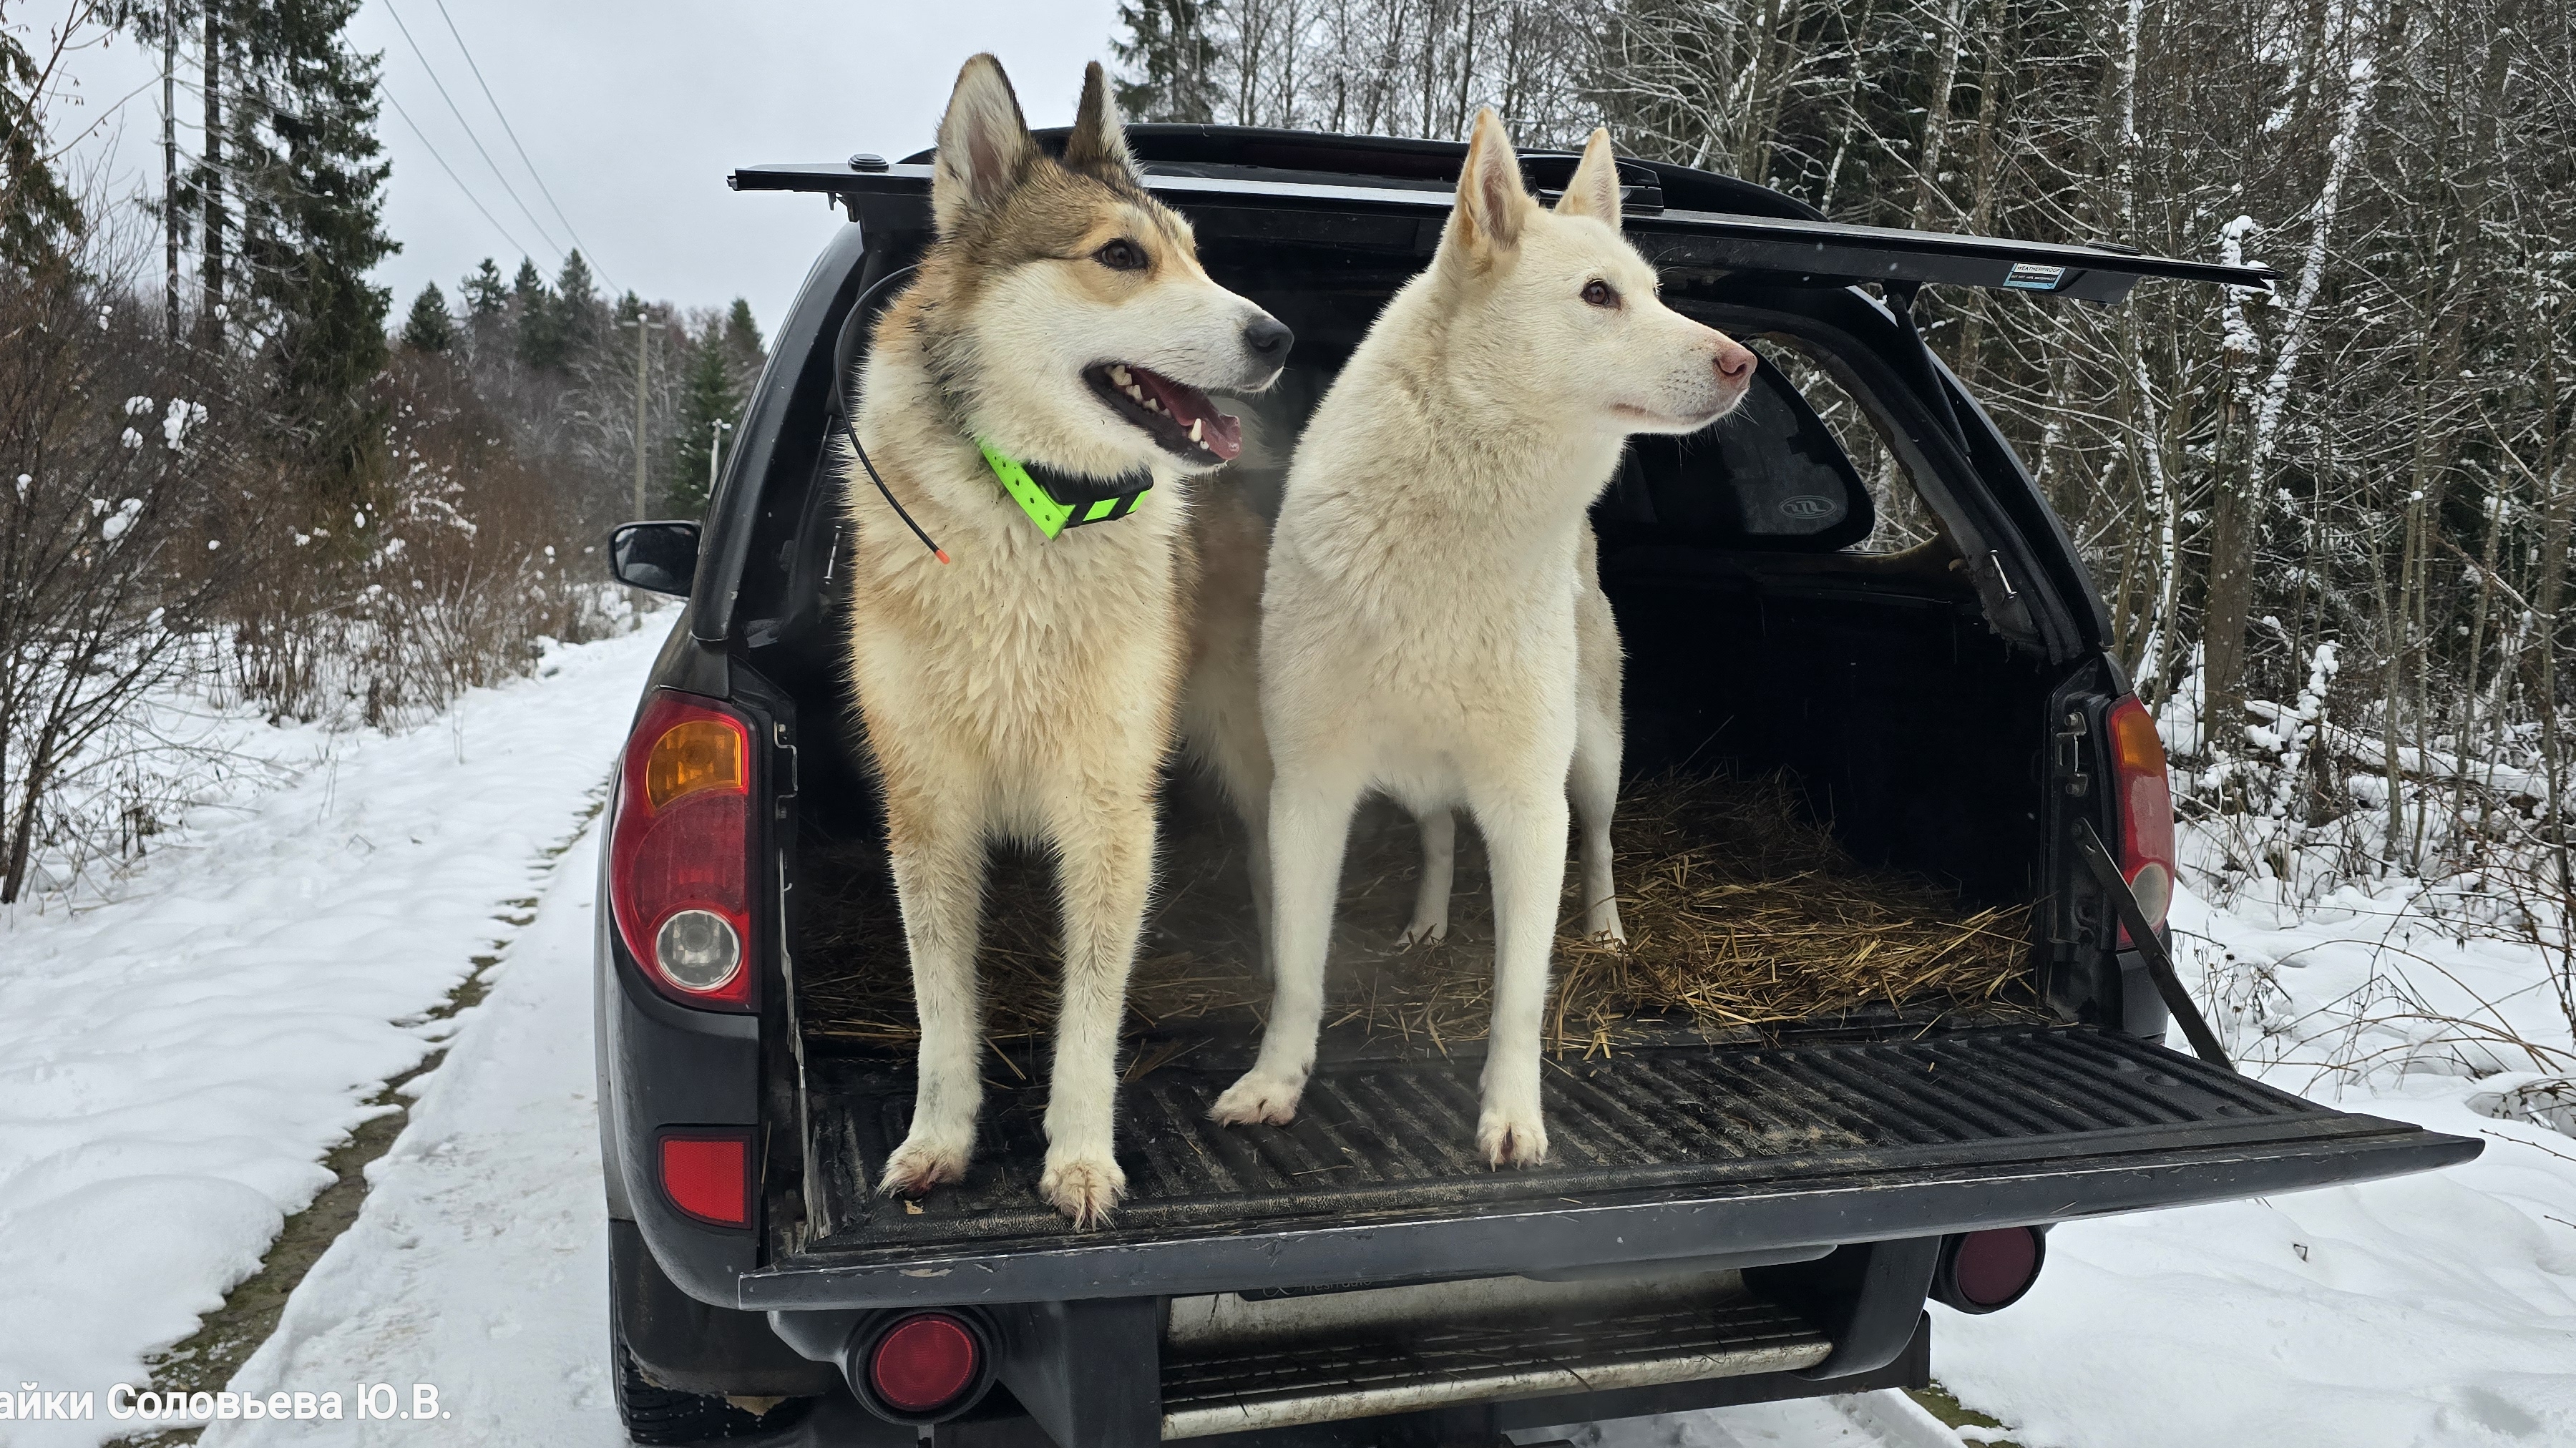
(1027, 689)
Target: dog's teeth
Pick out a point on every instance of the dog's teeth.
(1135, 391)
(1153, 406)
(1118, 375)
(1194, 429)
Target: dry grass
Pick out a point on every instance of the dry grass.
(1742, 914)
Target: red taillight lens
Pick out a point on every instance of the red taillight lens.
(1988, 1271)
(709, 1177)
(923, 1363)
(2146, 809)
(680, 851)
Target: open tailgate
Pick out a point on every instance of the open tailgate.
(1387, 216)
(1664, 1153)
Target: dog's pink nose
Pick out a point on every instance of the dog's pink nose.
(1735, 362)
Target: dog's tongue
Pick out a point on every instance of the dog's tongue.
(1222, 432)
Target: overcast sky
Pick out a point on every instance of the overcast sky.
(632, 111)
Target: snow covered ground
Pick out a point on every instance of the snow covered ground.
(2429, 1310)
(480, 1263)
(177, 1055)
(176, 1059)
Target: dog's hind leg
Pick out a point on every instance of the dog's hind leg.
(1524, 834)
(1439, 867)
(1105, 870)
(938, 856)
(1310, 825)
(1594, 780)
(1593, 784)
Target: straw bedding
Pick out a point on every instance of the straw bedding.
(1743, 917)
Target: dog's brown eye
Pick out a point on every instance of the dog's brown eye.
(1121, 255)
(1600, 294)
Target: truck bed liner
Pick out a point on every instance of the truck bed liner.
(1681, 1143)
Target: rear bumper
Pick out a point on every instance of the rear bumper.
(1777, 1215)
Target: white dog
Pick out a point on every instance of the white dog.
(1420, 616)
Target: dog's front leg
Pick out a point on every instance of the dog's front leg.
(1310, 824)
(938, 856)
(1524, 834)
(1105, 841)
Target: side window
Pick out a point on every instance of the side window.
(1798, 467)
(1902, 521)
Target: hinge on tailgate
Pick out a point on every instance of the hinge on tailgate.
(2070, 740)
(785, 768)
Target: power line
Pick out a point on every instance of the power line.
(513, 134)
(451, 173)
(506, 187)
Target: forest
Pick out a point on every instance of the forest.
(236, 473)
(2330, 523)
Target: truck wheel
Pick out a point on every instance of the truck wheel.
(658, 1416)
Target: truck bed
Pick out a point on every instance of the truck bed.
(1680, 1151)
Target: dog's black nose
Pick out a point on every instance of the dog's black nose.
(1268, 340)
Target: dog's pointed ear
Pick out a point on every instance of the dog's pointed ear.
(1594, 191)
(983, 143)
(1486, 222)
(1099, 139)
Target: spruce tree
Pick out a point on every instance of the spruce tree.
(485, 296)
(303, 144)
(1168, 55)
(540, 330)
(429, 328)
(708, 395)
(580, 317)
(36, 212)
(744, 352)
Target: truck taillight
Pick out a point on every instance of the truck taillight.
(2146, 809)
(679, 871)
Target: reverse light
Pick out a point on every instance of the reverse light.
(707, 1175)
(923, 1364)
(680, 851)
(2146, 809)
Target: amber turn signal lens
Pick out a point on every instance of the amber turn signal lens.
(2134, 741)
(692, 757)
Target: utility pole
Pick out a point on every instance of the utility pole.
(643, 326)
(715, 453)
(170, 167)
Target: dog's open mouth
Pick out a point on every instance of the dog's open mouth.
(1174, 414)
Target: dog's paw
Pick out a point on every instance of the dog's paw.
(1511, 1138)
(1602, 923)
(1083, 1187)
(921, 1163)
(1423, 932)
(1260, 1098)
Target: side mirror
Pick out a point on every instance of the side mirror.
(655, 557)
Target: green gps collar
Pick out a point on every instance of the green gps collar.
(1056, 500)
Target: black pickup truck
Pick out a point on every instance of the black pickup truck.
(1727, 1217)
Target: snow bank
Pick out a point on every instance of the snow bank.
(176, 1058)
(2428, 1310)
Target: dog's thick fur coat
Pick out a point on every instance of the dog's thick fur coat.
(1428, 581)
(1027, 689)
